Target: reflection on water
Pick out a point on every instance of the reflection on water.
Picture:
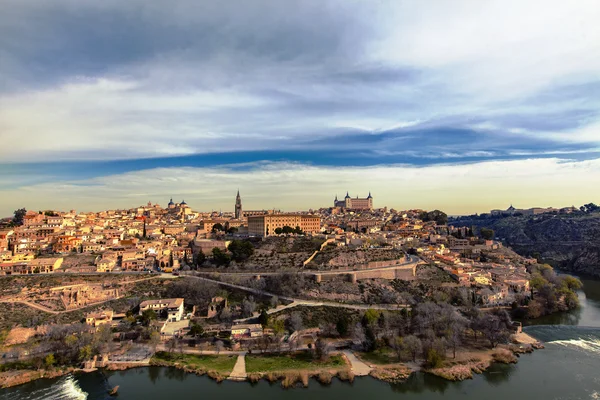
(588, 314)
(419, 383)
(499, 373)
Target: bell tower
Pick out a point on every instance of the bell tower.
(238, 206)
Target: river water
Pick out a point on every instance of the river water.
(568, 368)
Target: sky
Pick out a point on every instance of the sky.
(463, 106)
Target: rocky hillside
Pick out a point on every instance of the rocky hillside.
(569, 242)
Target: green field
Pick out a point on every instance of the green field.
(222, 363)
(297, 361)
(381, 357)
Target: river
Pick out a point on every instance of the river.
(568, 368)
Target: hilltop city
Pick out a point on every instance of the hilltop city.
(365, 290)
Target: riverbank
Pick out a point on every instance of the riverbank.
(300, 367)
(19, 376)
(467, 362)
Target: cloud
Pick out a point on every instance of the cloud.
(457, 189)
(462, 106)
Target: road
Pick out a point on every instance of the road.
(295, 302)
(249, 274)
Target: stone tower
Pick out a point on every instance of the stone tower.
(238, 206)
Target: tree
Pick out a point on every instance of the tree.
(200, 259)
(196, 330)
(102, 337)
(218, 227)
(358, 335)
(154, 340)
(296, 322)
(147, 316)
(49, 361)
(487, 234)
(172, 344)
(278, 326)
(240, 250)
(85, 353)
(248, 307)
(342, 325)
(454, 338)
(287, 229)
(219, 346)
(434, 359)
(438, 216)
(225, 314)
(370, 317)
(278, 231)
(494, 328)
(263, 318)
(221, 257)
(321, 349)
(412, 345)
(19, 215)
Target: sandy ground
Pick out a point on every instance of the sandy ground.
(524, 338)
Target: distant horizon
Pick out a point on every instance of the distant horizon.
(231, 211)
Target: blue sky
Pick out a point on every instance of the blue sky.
(463, 106)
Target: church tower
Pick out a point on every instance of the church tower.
(238, 206)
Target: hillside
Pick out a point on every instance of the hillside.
(570, 242)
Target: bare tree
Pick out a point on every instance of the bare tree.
(172, 344)
(296, 322)
(358, 335)
(154, 340)
(248, 307)
(412, 345)
(219, 346)
(321, 349)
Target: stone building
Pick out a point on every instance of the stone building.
(238, 206)
(265, 225)
(357, 203)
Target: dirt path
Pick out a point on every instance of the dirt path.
(46, 309)
(239, 370)
(359, 368)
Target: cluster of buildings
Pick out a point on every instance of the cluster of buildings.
(510, 211)
(144, 238)
(152, 237)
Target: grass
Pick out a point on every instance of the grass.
(381, 357)
(221, 363)
(296, 361)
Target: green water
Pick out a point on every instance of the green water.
(569, 368)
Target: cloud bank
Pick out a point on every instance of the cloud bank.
(92, 90)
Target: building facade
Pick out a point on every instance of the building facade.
(265, 225)
(357, 203)
(173, 307)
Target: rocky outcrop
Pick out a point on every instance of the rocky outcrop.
(569, 242)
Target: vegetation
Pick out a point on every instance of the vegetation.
(550, 292)
(486, 233)
(19, 215)
(295, 361)
(220, 257)
(220, 363)
(438, 216)
(288, 229)
(240, 250)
